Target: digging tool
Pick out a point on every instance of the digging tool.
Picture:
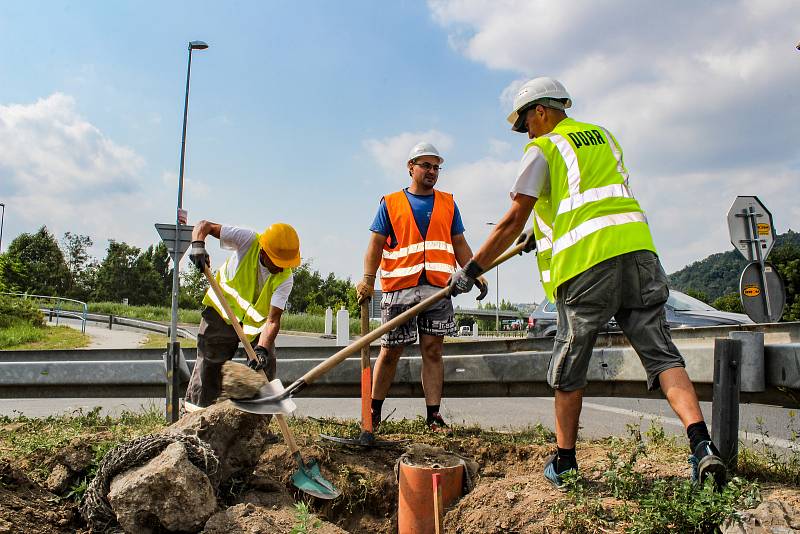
(367, 437)
(275, 400)
(308, 477)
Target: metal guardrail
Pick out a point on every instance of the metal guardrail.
(137, 324)
(56, 308)
(614, 370)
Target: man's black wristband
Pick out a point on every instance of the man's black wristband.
(472, 269)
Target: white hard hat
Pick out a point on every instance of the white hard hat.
(546, 91)
(424, 149)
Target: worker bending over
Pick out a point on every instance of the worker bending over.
(596, 260)
(256, 280)
(417, 239)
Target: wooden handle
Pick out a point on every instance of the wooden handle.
(364, 341)
(364, 331)
(288, 437)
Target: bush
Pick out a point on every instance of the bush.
(14, 310)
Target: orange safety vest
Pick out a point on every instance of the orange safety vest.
(402, 265)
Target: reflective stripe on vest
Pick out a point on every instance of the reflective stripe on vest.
(590, 209)
(402, 265)
(242, 287)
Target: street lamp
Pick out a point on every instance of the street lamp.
(2, 217)
(496, 291)
(180, 218)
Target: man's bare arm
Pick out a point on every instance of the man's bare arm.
(205, 228)
(461, 249)
(506, 231)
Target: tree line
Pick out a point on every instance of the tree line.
(37, 263)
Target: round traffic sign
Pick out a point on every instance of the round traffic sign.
(751, 291)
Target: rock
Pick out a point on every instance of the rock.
(59, 479)
(770, 517)
(168, 493)
(252, 519)
(238, 438)
(76, 456)
(241, 382)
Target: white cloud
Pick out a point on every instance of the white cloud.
(704, 105)
(58, 169)
(391, 153)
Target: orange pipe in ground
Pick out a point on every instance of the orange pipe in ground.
(415, 511)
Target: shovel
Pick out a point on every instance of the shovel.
(367, 437)
(308, 477)
(275, 399)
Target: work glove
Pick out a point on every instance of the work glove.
(266, 359)
(529, 240)
(462, 280)
(483, 287)
(365, 288)
(198, 255)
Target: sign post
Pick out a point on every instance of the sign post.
(753, 234)
(177, 238)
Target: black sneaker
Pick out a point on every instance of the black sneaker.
(705, 462)
(436, 424)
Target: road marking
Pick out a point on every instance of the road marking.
(672, 421)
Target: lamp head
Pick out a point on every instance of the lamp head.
(197, 45)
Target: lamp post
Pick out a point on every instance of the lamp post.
(180, 218)
(2, 218)
(496, 291)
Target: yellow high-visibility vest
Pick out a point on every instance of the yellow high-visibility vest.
(251, 309)
(589, 211)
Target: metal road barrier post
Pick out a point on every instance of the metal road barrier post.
(752, 362)
(725, 403)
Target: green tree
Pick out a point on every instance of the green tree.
(193, 288)
(82, 268)
(127, 273)
(37, 265)
(696, 293)
(787, 261)
(10, 273)
(159, 258)
(729, 303)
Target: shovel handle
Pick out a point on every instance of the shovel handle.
(364, 341)
(288, 437)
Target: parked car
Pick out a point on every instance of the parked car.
(465, 331)
(682, 311)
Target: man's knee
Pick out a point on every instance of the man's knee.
(431, 348)
(390, 354)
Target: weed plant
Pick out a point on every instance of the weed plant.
(304, 521)
(767, 462)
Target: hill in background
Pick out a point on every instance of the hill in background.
(718, 274)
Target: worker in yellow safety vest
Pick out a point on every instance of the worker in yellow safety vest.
(596, 261)
(257, 281)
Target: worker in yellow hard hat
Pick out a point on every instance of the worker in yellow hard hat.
(257, 281)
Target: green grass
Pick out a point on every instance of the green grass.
(22, 336)
(289, 321)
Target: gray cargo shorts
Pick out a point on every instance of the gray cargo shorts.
(438, 320)
(630, 287)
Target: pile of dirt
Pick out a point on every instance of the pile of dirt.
(27, 507)
(510, 494)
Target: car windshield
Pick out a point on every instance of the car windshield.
(550, 307)
(681, 302)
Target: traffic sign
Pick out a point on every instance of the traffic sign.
(762, 306)
(167, 234)
(750, 226)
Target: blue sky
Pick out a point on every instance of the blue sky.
(303, 112)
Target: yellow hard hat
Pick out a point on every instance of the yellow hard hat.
(281, 244)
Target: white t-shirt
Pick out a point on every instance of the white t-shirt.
(239, 240)
(533, 176)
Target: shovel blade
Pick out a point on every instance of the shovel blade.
(258, 405)
(309, 479)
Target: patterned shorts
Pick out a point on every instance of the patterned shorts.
(438, 320)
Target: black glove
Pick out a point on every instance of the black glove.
(462, 281)
(529, 240)
(198, 255)
(266, 360)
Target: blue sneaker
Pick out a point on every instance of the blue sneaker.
(551, 475)
(705, 462)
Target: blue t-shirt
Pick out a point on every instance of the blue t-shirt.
(421, 207)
